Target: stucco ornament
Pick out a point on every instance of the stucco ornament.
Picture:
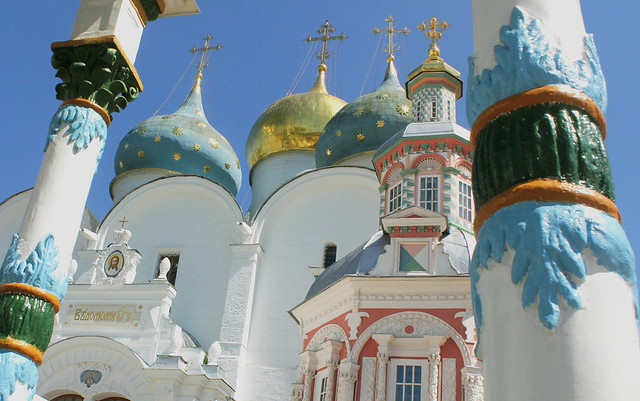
(527, 59)
(354, 319)
(80, 125)
(549, 239)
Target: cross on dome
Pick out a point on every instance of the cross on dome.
(325, 30)
(123, 221)
(390, 31)
(433, 29)
(204, 50)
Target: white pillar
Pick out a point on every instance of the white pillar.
(331, 380)
(307, 394)
(347, 376)
(381, 377)
(434, 374)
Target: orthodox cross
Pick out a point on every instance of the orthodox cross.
(391, 47)
(123, 221)
(205, 49)
(433, 29)
(325, 30)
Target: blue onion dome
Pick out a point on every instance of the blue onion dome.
(366, 123)
(292, 123)
(181, 143)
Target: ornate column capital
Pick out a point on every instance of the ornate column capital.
(95, 70)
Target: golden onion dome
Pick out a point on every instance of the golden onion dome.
(293, 122)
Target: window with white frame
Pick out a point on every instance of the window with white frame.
(418, 110)
(434, 108)
(406, 379)
(395, 197)
(465, 204)
(323, 390)
(429, 193)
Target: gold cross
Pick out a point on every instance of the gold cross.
(206, 48)
(123, 221)
(433, 29)
(391, 47)
(325, 30)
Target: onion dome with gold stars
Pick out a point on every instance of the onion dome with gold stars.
(366, 123)
(292, 123)
(181, 143)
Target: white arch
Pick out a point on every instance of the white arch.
(121, 369)
(328, 332)
(423, 324)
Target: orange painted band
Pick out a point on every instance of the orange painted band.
(545, 190)
(21, 347)
(26, 289)
(91, 105)
(543, 94)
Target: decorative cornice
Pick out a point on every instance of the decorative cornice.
(95, 69)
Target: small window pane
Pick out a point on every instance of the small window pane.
(416, 393)
(417, 378)
(408, 374)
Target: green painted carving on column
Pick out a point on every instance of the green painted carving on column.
(98, 72)
(26, 318)
(554, 141)
(151, 8)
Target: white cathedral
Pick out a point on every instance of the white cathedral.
(346, 279)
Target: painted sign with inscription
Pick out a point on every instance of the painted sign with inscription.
(104, 315)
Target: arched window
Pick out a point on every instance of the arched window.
(330, 252)
(115, 399)
(68, 397)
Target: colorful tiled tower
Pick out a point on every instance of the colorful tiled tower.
(553, 272)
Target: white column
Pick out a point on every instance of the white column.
(347, 376)
(473, 384)
(434, 374)
(381, 377)
(331, 380)
(307, 394)
(236, 318)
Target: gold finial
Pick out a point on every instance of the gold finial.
(325, 30)
(206, 48)
(391, 47)
(433, 29)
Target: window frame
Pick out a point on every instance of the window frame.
(434, 108)
(392, 369)
(465, 201)
(395, 199)
(426, 190)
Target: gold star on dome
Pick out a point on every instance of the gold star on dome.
(358, 112)
(157, 138)
(177, 156)
(166, 117)
(141, 154)
(380, 123)
(237, 163)
(329, 152)
(383, 95)
(121, 164)
(178, 130)
(196, 147)
(402, 109)
(206, 168)
(360, 137)
(199, 113)
(200, 123)
(339, 132)
(227, 165)
(126, 146)
(213, 143)
(142, 130)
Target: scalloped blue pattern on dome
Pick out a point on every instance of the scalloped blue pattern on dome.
(365, 123)
(184, 142)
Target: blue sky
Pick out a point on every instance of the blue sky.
(263, 52)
